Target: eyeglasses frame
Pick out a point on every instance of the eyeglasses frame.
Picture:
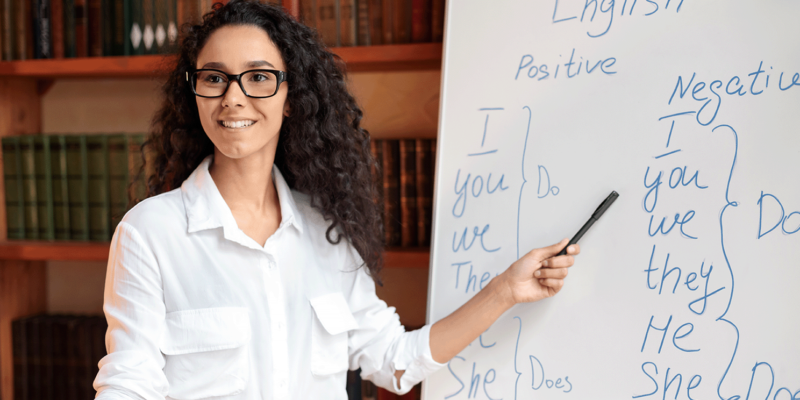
(281, 75)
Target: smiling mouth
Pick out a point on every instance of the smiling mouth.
(236, 124)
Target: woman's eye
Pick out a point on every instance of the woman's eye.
(214, 79)
(261, 77)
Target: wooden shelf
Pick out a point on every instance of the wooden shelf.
(98, 251)
(362, 58)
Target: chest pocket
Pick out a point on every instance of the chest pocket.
(206, 352)
(332, 320)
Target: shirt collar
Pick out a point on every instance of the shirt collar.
(206, 209)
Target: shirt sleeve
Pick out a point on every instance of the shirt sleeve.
(133, 304)
(380, 345)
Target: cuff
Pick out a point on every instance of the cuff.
(416, 360)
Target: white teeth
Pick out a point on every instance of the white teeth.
(237, 124)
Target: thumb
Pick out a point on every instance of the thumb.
(546, 252)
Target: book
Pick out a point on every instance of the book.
(57, 28)
(29, 187)
(402, 21)
(348, 22)
(98, 327)
(19, 340)
(437, 20)
(45, 362)
(362, 24)
(387, 20)
(78, 187)
(40, 10)
(368, 390)
(81, 9)
(138, 188)
(94, 28)
(60, 186)
(391, 192)
(119, 172)
(34, 355)
(308, 13)
(106, 20)
(420, 21)
(353, 385)
(136, 19)
(408, 193)
(7, 30)
(60, 367)
(160, 26)
(424, 181)
(327, 21)
(44, 186)
(22, 33)
(70, 49)
(172, 25)
(98, 195)
(148, 26)
(12, 173)
(375, 22)
(118, 10)
(71, 362)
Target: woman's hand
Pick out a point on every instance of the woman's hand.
(540, 273)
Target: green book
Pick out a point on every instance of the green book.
(124, 10)
(44, 186)
(77, 187)
(12, 172)
(69, 29)
(139, 187)
(118, 177)
(99, 203)
(60, 186)
(29, 187)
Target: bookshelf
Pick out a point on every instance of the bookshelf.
(23, 264)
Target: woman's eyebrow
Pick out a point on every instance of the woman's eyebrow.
(250, 64)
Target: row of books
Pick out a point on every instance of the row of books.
(375, 22)
(93, 28)
(69, 187)
(56, 356)
(407, 167)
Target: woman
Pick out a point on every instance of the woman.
(249, 272)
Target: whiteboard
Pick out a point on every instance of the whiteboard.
(688, 286)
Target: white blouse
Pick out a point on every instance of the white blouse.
(197, 309)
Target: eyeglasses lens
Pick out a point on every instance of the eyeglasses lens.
(255, 83)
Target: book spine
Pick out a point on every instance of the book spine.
(402, 21)
(71, 353)
(81, 10)
(308, 13)
(362, 26)
(6, 30)
(59, 357)
(118, 170)
(84, 359)
(60, 188)
(29, 187)
(327, 14)
(98, 345)
(368, 390)
(15, 204)
(375, 22)
(391, 192)
(348, 20)
(148, 26)
(160, 24)
(99, 208)
(42, 42)
(424, 170)
(57, 28)
(408, 193)
(94, 27)
(106, 28)
(20, 356)
(22, 37)
(78, 180)
(387, 20)
(46, 356)
(172, 26)
(437, 20)
(421, 21)
(70, 49)
(117, 26)
(135, 33)
(44, 186)
(138, 187)
(34, 358)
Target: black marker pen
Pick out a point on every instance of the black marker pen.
(597, 213)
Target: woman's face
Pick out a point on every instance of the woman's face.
(240, 126)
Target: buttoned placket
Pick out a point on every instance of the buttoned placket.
(278, 329)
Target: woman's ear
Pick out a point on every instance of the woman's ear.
(286, 109)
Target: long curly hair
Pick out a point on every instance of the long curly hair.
(322, 149)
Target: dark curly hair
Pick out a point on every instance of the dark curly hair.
(322, 149)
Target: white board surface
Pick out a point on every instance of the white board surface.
(691, 111)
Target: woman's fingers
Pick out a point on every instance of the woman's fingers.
(559, 262)
(556, 284)
(555, 273)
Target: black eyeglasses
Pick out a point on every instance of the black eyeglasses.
(256, 83)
